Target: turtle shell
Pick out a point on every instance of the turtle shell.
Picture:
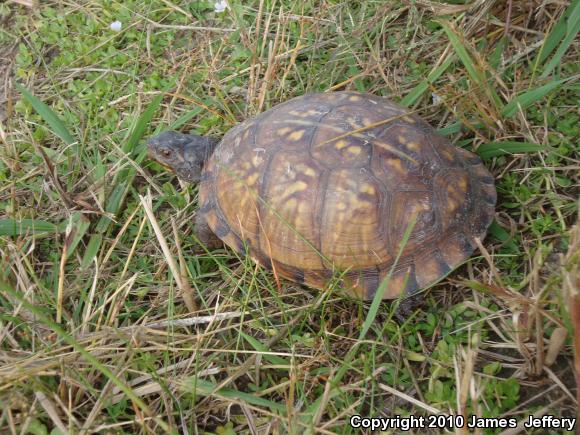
(326, 185)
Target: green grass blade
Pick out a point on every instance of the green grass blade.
(51, 118)
(450, 129)
(203, 387)
(416, 93)
(572, 29)
(79, 225)
(113, 205)
(495, 149)
(257, 345)
(179, 122)
(123, 183)
(13, 227)
(124, 179)
(503, 236)
(92, 250)
(373, 310)
(530, 97)
(495, 56)
(556, 35)
(463, 54)
(141, 124)
(477, 286)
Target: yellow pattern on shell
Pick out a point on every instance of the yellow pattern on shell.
(296, 135)
(319, 198)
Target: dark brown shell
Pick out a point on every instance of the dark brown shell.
(326, 184)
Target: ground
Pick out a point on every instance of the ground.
(112, 321)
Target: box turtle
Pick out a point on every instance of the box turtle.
(325, 185)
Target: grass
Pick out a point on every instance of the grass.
(99, 332)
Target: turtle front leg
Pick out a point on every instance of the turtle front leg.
(205, 235)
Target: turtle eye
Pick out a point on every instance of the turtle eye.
(166, 153)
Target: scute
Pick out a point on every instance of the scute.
(415, 208)
(352, 209)
(289, 230)
(325, 185)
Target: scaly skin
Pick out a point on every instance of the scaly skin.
(186, 154)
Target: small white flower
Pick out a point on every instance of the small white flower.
(116, 26)
(436, 98)
(220, 6)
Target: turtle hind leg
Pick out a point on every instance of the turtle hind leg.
(407, 307)
(205, 235)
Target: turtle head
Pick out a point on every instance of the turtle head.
(184, 154)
